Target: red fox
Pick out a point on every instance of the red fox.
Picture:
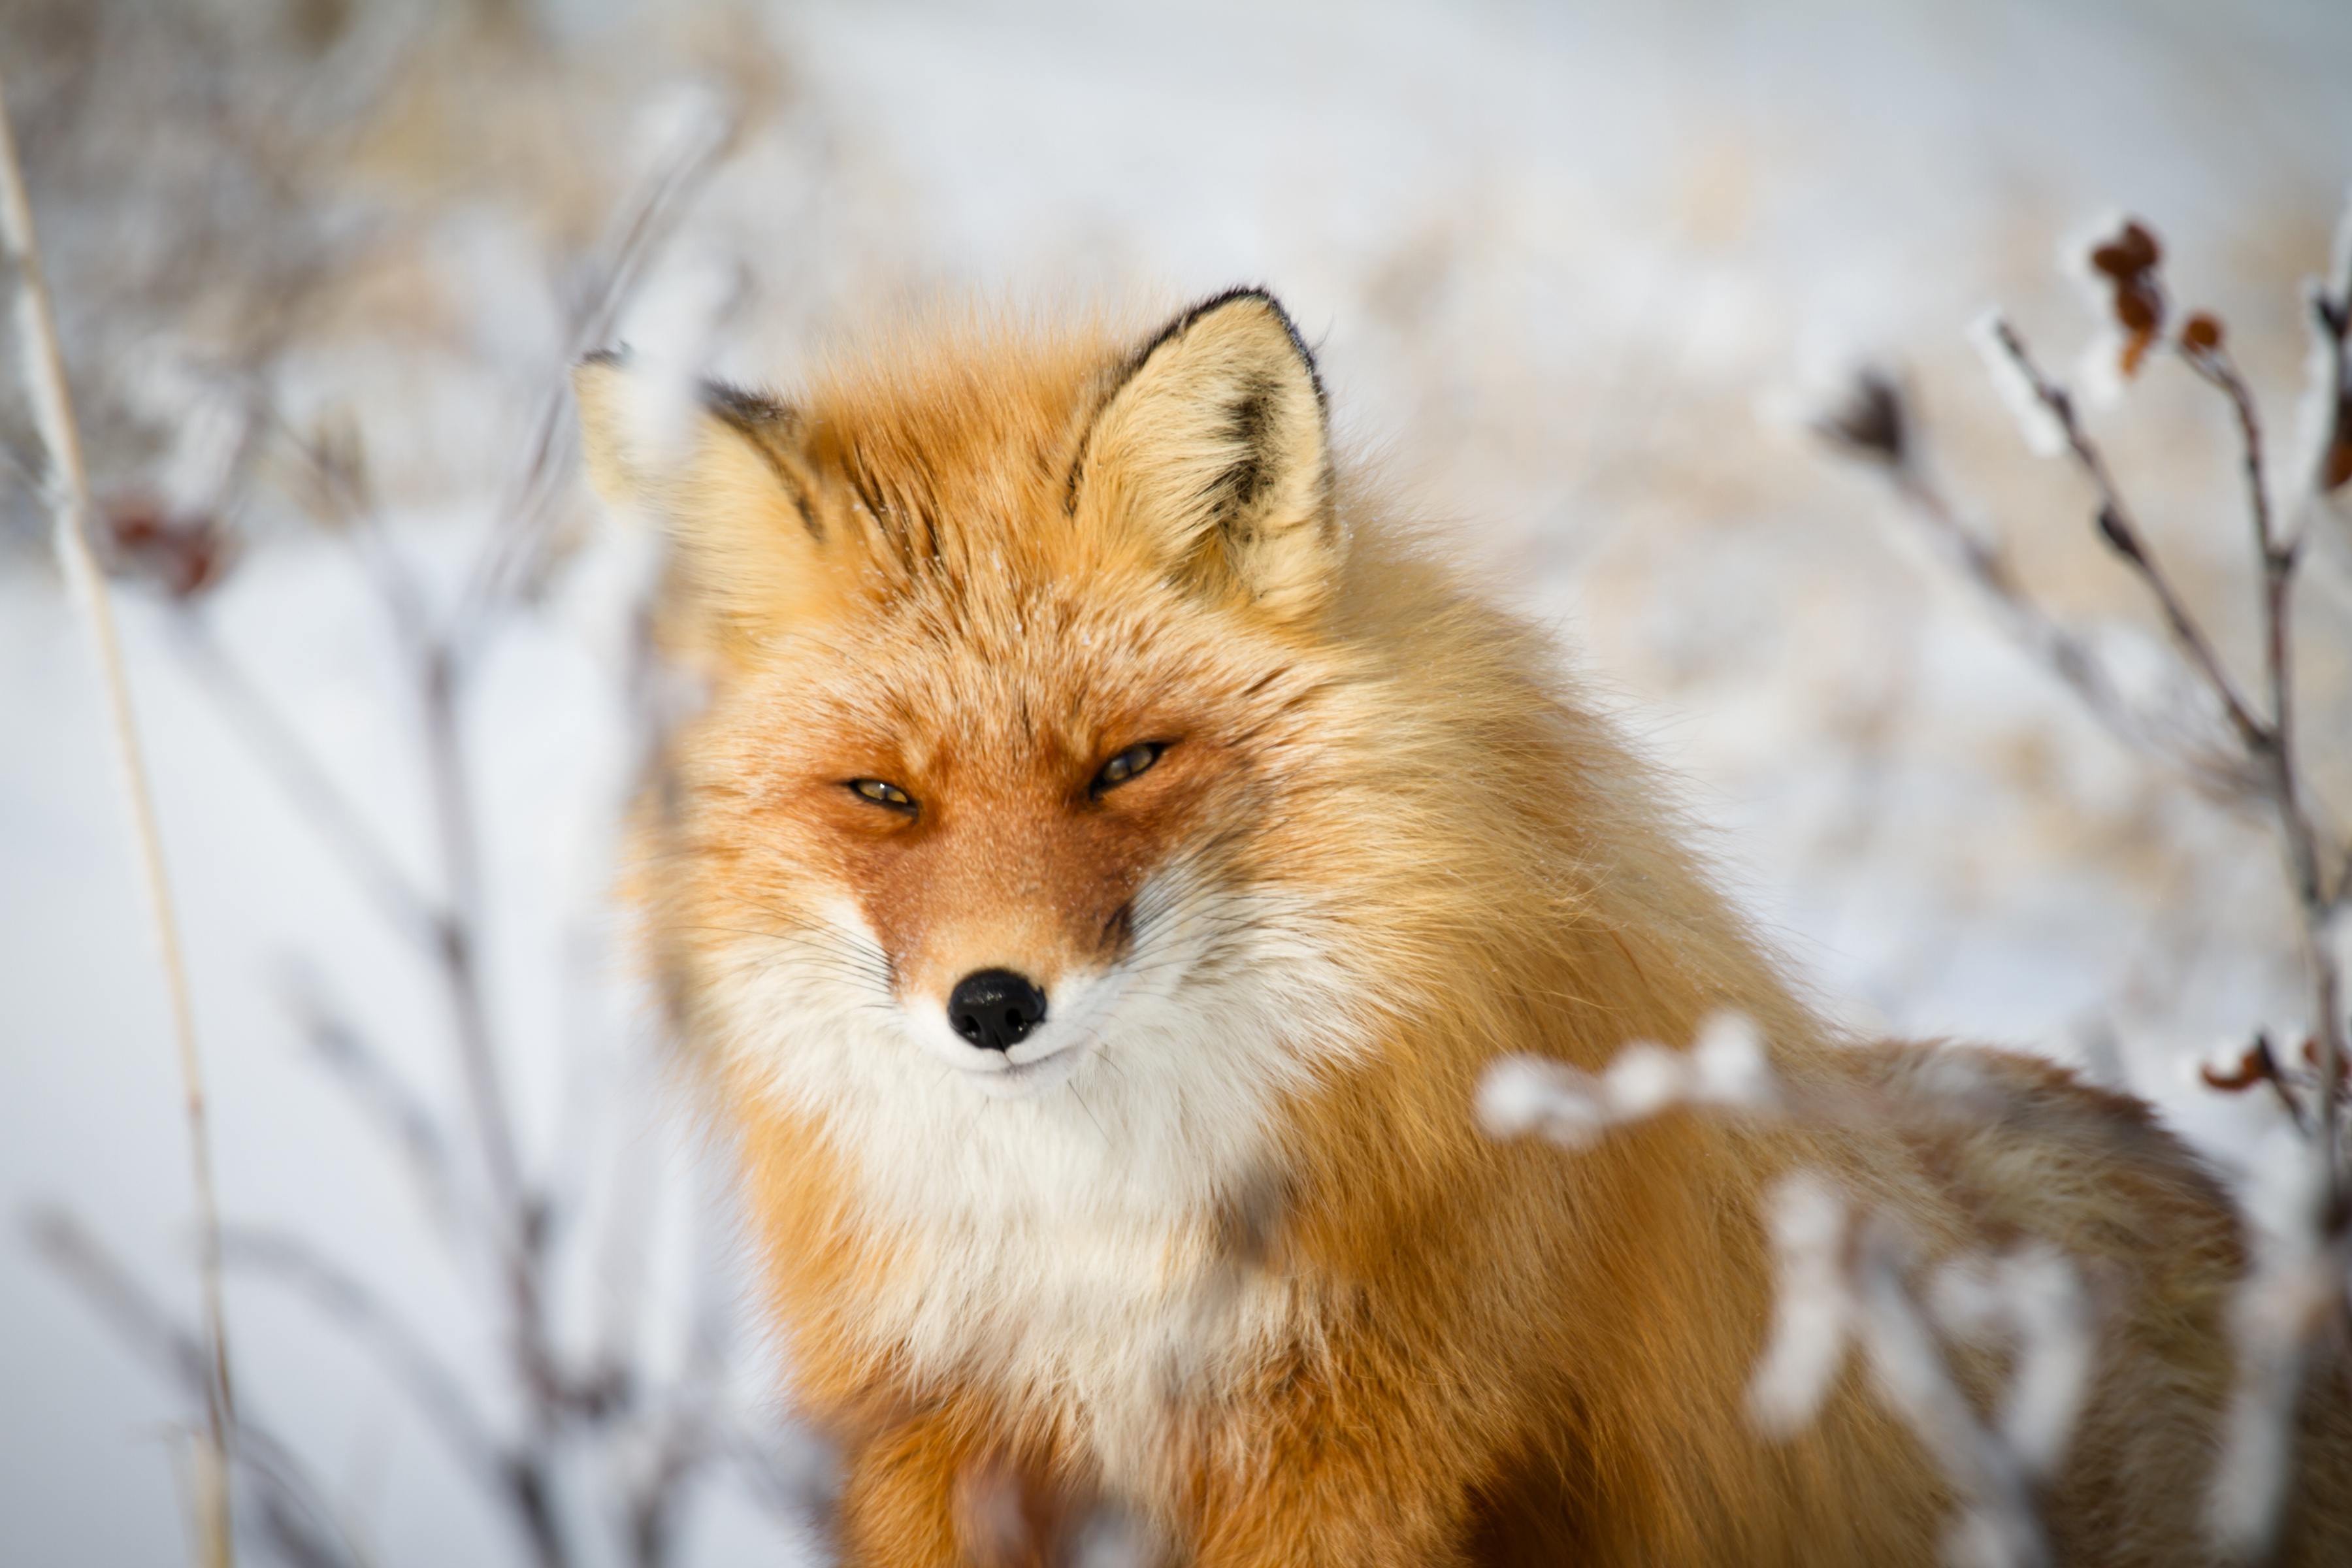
(1114, 850)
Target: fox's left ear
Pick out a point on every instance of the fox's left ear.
(1214, 448)
(755, 550)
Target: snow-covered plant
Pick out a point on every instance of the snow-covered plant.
(587, 1450)
(2242, 747)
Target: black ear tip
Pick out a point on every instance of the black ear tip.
(742, 406)
(1254, 293)
(1240, 292)
(616, 357)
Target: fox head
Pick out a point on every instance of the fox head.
(1023, 715)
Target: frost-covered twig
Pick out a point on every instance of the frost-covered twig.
(2268, 739)
(2266, 769)
(2295, 1285)
(2124, 535)
(1998, 1526)
(1724, 1068)
(1876, 424)
(66, 487)
(2317, 869)
(1845, 1282)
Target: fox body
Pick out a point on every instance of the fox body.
(1112, 853)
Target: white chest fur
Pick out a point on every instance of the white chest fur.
(1068, 1248)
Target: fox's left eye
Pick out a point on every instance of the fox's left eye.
(881, 792)
(1127, 765)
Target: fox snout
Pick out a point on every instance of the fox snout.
(995, 1008)
(1000, 906)
(1007, 978)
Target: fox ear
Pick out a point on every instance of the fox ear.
(732, 485)
(1214, 450)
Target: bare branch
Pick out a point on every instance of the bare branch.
(281, 749)
(1877, 425)
(411, 1126)
(2258, 1064)
(2292, 1297)
(2202, 350)
(528, 512)
(1998, 1522)
(2317, 887)
(2122, 534)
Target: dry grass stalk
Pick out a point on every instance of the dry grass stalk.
(66, 487)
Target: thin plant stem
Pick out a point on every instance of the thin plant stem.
(2268, 741)
(1877, 428)
(2315, 899)
(66, 486)
(520, 1210)
(2116, 526)
(309, 787)
(660, 205)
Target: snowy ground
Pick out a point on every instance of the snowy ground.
(1568, 267)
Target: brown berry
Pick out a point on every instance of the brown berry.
(1871, 423)
(182, 556)
(2246, 1072)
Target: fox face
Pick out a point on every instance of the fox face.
(993, 853)
(1048, 871)
(1004, 874)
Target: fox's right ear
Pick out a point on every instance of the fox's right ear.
(729, 480)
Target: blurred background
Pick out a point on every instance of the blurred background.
(1579, 275)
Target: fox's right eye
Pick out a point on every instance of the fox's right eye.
(883, 793)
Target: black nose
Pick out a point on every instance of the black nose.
(995, 1008)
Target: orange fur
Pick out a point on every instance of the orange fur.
(1247, 1268)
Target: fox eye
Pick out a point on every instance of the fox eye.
(883, 793)
(1127, 765)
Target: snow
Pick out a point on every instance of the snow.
(2037, 426)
